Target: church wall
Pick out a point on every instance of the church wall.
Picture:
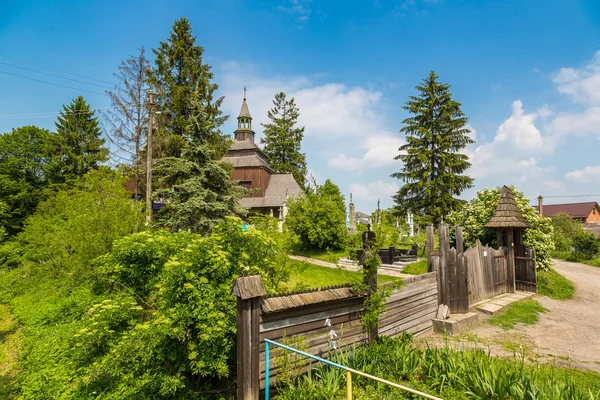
(259, 177)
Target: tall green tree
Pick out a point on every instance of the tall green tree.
(434, 166)
(80, 143)
(282, 139)
(26, 157)
(197, 186)
(179, 70)
(331, 191)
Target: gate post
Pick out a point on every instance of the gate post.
(249, 291)
(430, 247)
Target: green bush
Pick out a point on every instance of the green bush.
(585, 246)
(318, 219)
(565, 229)
(476, 213)
(552, 284)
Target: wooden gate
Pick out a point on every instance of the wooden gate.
(525, 274)
(487, 273)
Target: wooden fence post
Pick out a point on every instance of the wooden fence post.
(249, 291)
(391, 254)
(510, 273)
(443, 272)
(429, 247)
(460, 246)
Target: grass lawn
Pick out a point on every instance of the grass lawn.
(416, 268)
(310, 276)
(552, 284)
(525, 312)
(331, 256)
(10, 347)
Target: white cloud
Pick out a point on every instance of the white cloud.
(298, 8)
(583, 123)
(381, 148)
(519, 130)
(588, 174)
(582, 85)
(544, 112)
(328, 110)
(377, 190)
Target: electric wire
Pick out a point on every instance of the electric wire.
(55, 69)
(56, 76)
(52, 83)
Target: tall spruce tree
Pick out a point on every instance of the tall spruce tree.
(80, 143)
(282, 139)
(434, 166)
(197, 186)
(178, 70)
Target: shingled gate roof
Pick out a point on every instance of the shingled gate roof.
(507, 213)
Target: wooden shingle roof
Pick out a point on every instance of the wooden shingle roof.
(507, 213)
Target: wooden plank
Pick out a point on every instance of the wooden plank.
(313, 326)
(443, 272)
(460, 246)
(431, 310)
(426, 317)
(429, 247)
(407, 313)
(410, 302)
(410, 292)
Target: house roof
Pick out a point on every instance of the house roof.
(247, 144)
(253, 160)
(507, 213)
(575, 210)
(275, 195)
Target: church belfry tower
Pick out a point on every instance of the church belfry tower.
(244, 130)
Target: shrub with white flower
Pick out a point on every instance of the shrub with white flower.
(477, 212)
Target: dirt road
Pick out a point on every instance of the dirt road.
(569, 334)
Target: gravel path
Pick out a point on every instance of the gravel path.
(569, 334)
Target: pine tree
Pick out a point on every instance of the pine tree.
(178, 71)
(282, 139)
(434, 167)
(198, 190)
(80, 143)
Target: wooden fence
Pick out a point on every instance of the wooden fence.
(466, 278)
(304, 315)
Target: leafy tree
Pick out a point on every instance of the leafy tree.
(565, 229)
(585, 246)
(26, 156)
(331, 191)
(282, 139)
(434, 166)
(197, 187)
(80, 144)
(179, 70)
(128, 117)
(477, 212)
(74, 226)
(318, 220)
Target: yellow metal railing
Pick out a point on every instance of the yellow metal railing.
(349, 372)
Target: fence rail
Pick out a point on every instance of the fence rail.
(349, 372)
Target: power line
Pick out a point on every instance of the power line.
(50, 113)
(56, 76)
(55, 69)
(52, 83)
(575, 195)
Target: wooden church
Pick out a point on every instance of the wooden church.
(251, 169)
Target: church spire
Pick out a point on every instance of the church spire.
(244, 130)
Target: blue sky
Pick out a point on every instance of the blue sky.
(526, 72)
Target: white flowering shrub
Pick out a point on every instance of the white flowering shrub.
(477, 212)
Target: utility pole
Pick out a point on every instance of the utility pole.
(149, 157)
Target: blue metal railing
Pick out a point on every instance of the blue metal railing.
(349, 372)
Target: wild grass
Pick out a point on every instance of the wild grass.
(416, 268)
(10, 348)
(310, 276)
(524, 312)
(552, 284)
(447, 372)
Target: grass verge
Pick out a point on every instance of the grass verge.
(552, 284)
(448, 372)
(310, 276)
(525, 312)
(10, 347)
(416, 268)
